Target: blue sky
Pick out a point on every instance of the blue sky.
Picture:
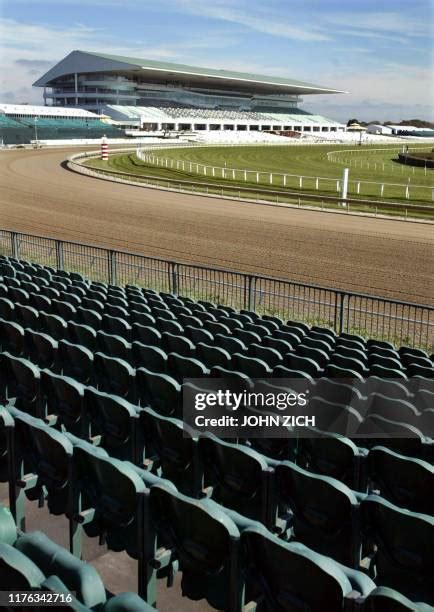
(381, 51)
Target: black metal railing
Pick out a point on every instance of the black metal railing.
(371, 316)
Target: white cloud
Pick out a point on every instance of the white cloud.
(252, 18)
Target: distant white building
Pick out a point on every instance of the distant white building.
(377, 128)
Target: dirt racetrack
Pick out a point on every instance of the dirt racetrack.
(376, 256)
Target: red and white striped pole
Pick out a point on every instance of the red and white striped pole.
(104, 149)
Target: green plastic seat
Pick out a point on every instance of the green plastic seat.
(349, 363)
(405, 481)
(335, 371)
(333, 455)
(84, 335)
(27, 316)
(268, 355)
(393, 409)
(171, 449)
(42, 349)
(75, 361)
(115, 376)
(181, 367)
(12, 338)
(114, 346)
(46, 453)
(17, 571)
(169, 325)
(177, 344)
(8, 529)
(197, 334)
(236, 476)
(282, 346)
(64, 407)
(288, 576)
(304, 364)
(204, 541)
(384, 599)
(112, 421)
(54, 325)
(302, 326)
(90, 317)
(405, 541)
(386, 372)
(260, 328)
(116, 326)
(151, 357)
(323, 345)
(229, 344)
(212, 355)
(318, 355)
(159, 391)
(324, 512)
(64, 309)
(95, 305)
(113, 497)
(22, 383)
(247, 337)
(40, 302)
(385, 361)
(251, 366)
(53, 560)
(146, 334)
(6, 442)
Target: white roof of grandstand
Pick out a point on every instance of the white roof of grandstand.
(409, 128)
(40, 111)
(88, 62)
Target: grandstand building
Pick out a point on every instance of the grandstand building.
(23, 123)
(159, 96)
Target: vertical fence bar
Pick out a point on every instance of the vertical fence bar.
(174, 277)
(59, 255)
(15, 249)
(342, 318)
(112, 268)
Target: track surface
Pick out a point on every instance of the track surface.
(381, 257)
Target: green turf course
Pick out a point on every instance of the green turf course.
(308, 161)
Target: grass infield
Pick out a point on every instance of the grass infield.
(308, 161)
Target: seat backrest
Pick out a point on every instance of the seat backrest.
(111, 488)
(288, 576)
(212, 355)
(53, 560)
(17, 571)
(204, 539)
(171, 442)
(403, 480)
(65, 399)
(404, 541)
(159, 391)
(113, 345)
(146, 334)
(237, 475)
(229, 343)
(151, 357)
(113, 418)
(325, 512)
(335, 456)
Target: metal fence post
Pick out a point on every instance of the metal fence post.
(112, 268)
(59, 255)
(249, 293)
(15, 249)
(173, 277)
(341, 320)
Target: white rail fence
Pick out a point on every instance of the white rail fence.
(277, 179)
